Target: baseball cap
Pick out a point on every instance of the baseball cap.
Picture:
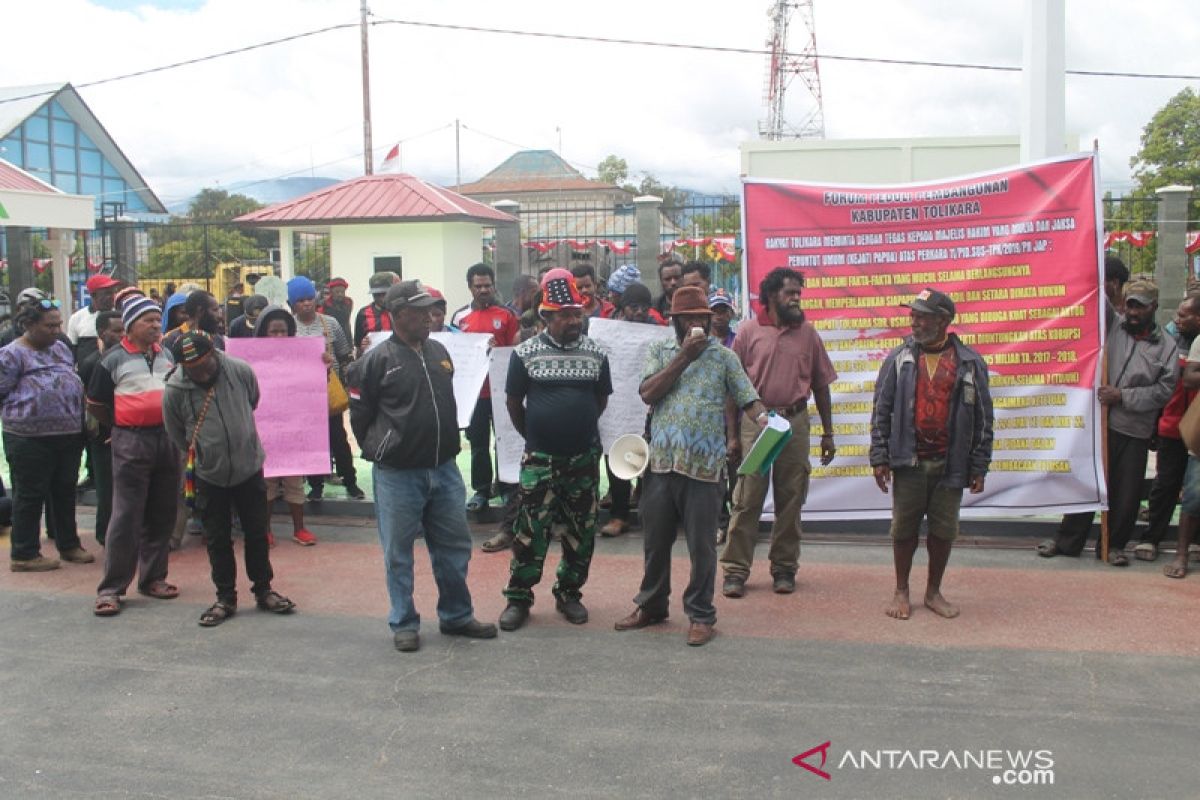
(408, 294)
(719, 297)
(1142, 291)
(931, 301)
(98, 283)
(380, 282)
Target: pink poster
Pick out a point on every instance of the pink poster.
(293, 411)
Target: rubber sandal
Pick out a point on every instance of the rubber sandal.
(275, 603)
(1048, 549)
(217, 613)
(1146, 551)
(107, 605)
(161, 590)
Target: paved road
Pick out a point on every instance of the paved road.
(1096, 666)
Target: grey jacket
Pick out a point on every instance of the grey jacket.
(228, 450)
(893, 419)
(1145, 371)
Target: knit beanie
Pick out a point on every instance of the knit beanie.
(135, 307)
(300, 288)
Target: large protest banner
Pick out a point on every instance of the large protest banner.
(293, 410)
(1018, 251)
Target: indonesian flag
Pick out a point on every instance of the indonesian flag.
(391, 162)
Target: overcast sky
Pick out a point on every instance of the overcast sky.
(296, 108)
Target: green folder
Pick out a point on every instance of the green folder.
(767, 446)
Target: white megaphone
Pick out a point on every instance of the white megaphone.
(628, 457)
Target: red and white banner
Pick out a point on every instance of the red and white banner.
(1018, 251)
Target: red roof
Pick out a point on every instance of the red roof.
(377, 198)
(17, 179)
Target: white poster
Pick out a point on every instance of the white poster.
(469, 352)
(626, 344)
(510, 445)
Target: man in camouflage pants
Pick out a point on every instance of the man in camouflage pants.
(558, 386)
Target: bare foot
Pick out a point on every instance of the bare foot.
(900, 607)
(1177, 568)
(940, 605)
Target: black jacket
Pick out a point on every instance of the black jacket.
(402, 407)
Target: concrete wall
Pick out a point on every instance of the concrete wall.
(436, 253)
(880, 160)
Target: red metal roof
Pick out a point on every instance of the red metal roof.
(378, 198)
(17, 179)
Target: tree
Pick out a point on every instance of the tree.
(218, 205)
(613, 170)
(1170, 151)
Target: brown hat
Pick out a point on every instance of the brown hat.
(1142, 291)
(689, 300)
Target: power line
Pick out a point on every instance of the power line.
(197, 60)
(602, 40)
(760, 52)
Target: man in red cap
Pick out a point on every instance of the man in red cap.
(338, 305)
(557, 388)
(81, 327)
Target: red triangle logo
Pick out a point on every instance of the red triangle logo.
(823, 749)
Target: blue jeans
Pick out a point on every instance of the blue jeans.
(407, 503)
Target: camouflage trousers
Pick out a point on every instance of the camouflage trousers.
(554, 488)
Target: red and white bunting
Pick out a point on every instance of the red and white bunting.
(1135, 238)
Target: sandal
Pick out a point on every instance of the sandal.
(1146, 551)
(1048, 549)
(161, 590)
(107, 605)
(217, 613)
(1118, 559)
(275, 603)
(501, 541)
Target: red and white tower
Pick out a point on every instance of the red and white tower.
(784, 66)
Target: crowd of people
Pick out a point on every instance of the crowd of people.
(166, 419)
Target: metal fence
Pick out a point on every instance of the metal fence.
(216, 256)
(1131, 228)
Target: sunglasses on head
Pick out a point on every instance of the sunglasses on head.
(49, 304)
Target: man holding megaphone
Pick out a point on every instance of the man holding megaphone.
(558, 386)
(685, 381)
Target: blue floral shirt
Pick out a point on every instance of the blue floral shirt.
(687, 426)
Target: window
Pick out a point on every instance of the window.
(67, 181)
(37, 157)
(37, 128)
(390, 264)
(64, 159)
(90, 162)
(64, 132)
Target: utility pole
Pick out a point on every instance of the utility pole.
(457, 159)
(368, 159)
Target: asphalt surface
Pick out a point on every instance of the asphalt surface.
(1095, 667)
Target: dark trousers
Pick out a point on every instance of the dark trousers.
(343, 459)
(621, 493)
(1164, 492)
(214, 504)
(1126, 471)
(145, 491)
(44, 470)
(668, 501)
(101, 454)
(479, 434)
